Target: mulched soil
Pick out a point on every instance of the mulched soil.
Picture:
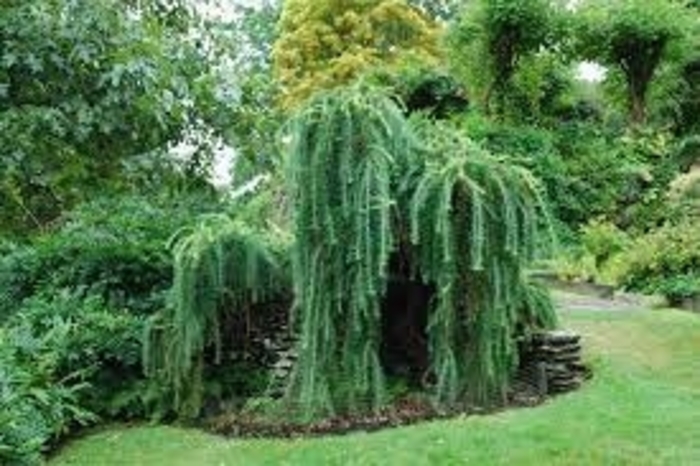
(406, 411)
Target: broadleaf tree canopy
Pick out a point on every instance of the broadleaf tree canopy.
(88, 89)
(634, 37)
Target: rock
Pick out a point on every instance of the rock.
(556, 337)
(552, 362)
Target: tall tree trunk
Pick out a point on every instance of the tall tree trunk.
(638, 111)
(488, 96)
(637, 90)
(639, 71)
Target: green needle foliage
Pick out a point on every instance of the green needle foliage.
(474, 220)
(344, 154)
(358, 180)
(221, 266)
(364, 191)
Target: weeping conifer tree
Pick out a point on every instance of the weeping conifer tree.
(222, 267)
(345, 152)
(357, 178)
(475, 221)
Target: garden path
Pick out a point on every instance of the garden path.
(566, 301)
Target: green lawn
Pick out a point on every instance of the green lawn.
(641, 408)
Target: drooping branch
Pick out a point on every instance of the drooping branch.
(343, 158)
(475, 219)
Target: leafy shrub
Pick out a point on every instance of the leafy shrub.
(588, 258)
(602, 240)
(666, 261)
(631, 173)
(574, 265)
(101, 344)
(113, 248)
(19, 271)
(64, 361)
(36, 404)
(684, 195)
(678, 287)
(653, 164)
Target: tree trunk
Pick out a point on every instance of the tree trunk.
(639, 71)
(638, 111)
(637, 101)
(487, 99)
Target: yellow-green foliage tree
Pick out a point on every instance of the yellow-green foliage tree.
(326, 43)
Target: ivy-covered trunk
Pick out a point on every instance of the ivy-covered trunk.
(637, 100)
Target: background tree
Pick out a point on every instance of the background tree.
(256, 116)
(92, 94)
(325, 43)
(688, 114)
(632, 36)
(678, 98)
(490, 39)
(543, 90)
(443, 10)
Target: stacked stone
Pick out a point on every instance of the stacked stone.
(263, 338)
(282, 345)
(552, 362)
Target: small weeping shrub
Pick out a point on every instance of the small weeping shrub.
(222, 267)
(474, 222)
(345, 154)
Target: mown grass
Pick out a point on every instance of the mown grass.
(641, 408)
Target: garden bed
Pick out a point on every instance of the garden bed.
(527, 390)
(407, 411)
